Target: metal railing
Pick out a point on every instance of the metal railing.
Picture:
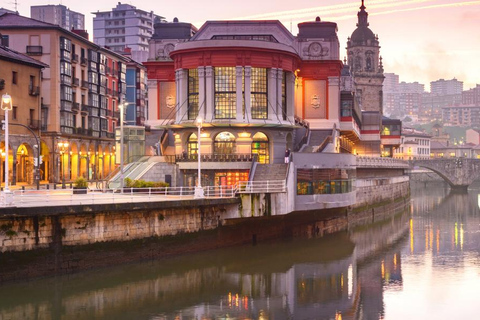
(221, 157)
(375, 162)
(274, 186)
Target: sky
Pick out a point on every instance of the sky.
(421, 40)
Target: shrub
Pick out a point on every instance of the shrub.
(81, 182)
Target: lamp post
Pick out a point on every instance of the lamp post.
(7, 105)
(198, 189)
(63, 147)
(121, 106)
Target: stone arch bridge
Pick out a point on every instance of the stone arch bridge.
(458, 172)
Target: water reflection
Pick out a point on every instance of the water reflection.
(369, 272)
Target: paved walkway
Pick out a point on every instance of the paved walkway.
(59, 197)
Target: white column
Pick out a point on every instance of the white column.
(153, 102)
(182, 94)
(334, 99)
(209, 93)
(279, 106)
(248, 97)
(202, 106)
(238, 76)
(290, 83)
(272, 92)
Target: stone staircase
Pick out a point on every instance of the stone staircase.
(317, 138)
(271, 172)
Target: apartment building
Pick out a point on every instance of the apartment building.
(123, 27)
(60, 15)
(80, 94)
(20, 77)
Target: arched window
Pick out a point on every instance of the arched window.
(260, 147)
(192, 146)
(224, 143)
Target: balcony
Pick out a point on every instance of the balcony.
(76, 82)
(85, 108)
(76, 106)
(84, 84)
(109, 113)
(108, 70)
(83, 61)
(34, 50)
(33, 124)
(217, 158)
(75, 58)
(116, 114)
(109, 92)
(33, 90)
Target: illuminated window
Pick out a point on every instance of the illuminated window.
(225, 93)
(259, 96)
(260, 147)
(192, 94)
(192, 146)
(224, 143)
(452, 154)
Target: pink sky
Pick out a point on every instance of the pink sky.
(422, 40)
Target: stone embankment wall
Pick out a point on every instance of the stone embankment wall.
(57, 240)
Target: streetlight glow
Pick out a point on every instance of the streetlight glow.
(7, 105)
(198, 189)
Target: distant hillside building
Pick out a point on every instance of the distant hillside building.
(444, 87)
(415, 145)
(123, 27)
(59, 15)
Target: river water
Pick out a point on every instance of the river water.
(422, 264)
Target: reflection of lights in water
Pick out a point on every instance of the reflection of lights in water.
(262, 315)
(395, 261)
(426, 239)
(431, 238)
(341, 281)
(438, 240)
(383, 269)
(350, 281)
(411, 235)
(456, 234)
(338, 315)
(461, 236)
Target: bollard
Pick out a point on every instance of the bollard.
(48, 186)
(23, 188)
(54, 186)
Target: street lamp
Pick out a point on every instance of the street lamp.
(63, 147)
(7, 105)
(198, 189)
(121, 106)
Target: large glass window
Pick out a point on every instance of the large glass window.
(224, 143)
(259, 95)
(324, 181)
(260, 147)
(192, 94)
(225, 93)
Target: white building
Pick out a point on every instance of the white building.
(415, 145)
(59, 15)
(443, 87)
(125, 26)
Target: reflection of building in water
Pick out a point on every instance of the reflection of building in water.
(340, 275)
(442, 227)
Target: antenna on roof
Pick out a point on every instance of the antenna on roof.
(15, 2)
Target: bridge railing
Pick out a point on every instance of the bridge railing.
(373, 162)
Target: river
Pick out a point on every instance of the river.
(421, 264)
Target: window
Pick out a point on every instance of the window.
(66, 93)
(14, 77)
(224, 143)
(324, 181)
(65, 44)
(65, 68)
(259, 96)
(4, 40)
(260, 147)
(225, 93)
(192, 94)
(14, 112)
(192, 146)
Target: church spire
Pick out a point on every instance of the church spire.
(362, 16)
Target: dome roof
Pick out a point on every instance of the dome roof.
(362, 34)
